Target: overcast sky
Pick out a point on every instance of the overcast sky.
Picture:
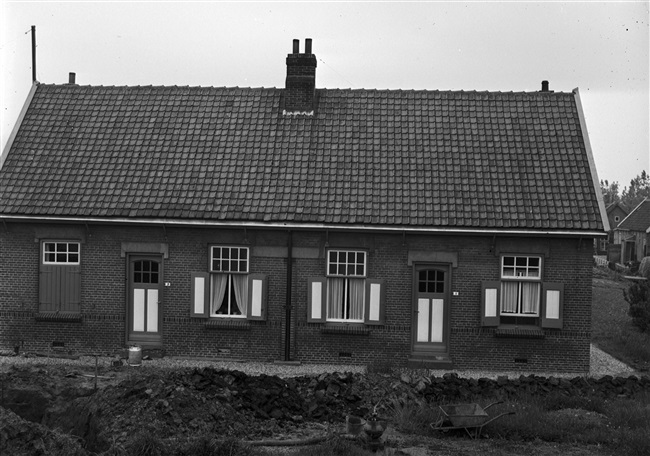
(600, 48)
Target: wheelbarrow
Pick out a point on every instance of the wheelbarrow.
(471, 417)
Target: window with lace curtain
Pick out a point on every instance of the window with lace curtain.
(520, 299)
(520, 288)
(346, 285)
(228, 281)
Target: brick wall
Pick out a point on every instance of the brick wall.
(104, 290)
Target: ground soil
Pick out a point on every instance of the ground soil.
(182, 404)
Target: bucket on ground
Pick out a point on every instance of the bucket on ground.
(354, 424)
(135, 356)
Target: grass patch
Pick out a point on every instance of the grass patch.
(612, 329)
(622, 424)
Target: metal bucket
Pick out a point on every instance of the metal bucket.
(135, 356)
(354, 424)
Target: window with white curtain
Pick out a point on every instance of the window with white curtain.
(228, 281)
(521, 285)
(346, 285)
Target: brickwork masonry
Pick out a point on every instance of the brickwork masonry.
(102, 323)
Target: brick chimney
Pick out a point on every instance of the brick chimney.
(300, 86)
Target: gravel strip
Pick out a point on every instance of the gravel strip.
(601, 364)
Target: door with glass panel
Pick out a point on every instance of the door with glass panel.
(431, 310)
(144, 313)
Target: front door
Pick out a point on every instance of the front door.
(144, 304)
(431, 310)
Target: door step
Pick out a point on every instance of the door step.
(430, 362)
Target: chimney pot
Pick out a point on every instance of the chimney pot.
(308, 46)
(71, 78)
(544, 86)
(296, 46)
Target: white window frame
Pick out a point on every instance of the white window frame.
(229, 273)
(230, 259)
(344, 266)
(66, 253)
(521, 274)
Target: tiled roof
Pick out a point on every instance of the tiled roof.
(373, 157)
(638, 219)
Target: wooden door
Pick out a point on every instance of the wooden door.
(145, 310)
(431, 310)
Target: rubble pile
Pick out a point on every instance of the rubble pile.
(177, 404)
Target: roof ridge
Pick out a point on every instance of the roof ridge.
(457, 91)
(40, 84)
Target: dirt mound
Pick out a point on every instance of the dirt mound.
(182, 404)
(22, 437)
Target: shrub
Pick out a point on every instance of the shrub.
(638, 296)
(411, 417)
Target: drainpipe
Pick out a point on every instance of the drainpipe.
(287, 335)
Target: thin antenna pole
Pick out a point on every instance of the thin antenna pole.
(33, 53)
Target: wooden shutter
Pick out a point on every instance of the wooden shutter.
(257, 295)
(375, 310)
(70, 289)
(490, 303)
(49, 288)
(317, 307)
(553, 307)
(200, 304)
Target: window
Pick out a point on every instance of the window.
(520, 288)
(60, 277)
(346, 285)
(228, 281)
(228, 289)
(61, 252)
(145, 271)
(521, 298)
(345, 294)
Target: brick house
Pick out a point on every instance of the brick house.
(422, 228)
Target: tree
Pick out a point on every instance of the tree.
(629, 197)
(638, 190)
(610, 192)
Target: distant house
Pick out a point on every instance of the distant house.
(615, 213)
(422, 228)
(633, 233)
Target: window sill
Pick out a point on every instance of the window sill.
(69, 317)
(519, 333)
(357, 330)
(237, 325)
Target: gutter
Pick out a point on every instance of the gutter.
(302, 226)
